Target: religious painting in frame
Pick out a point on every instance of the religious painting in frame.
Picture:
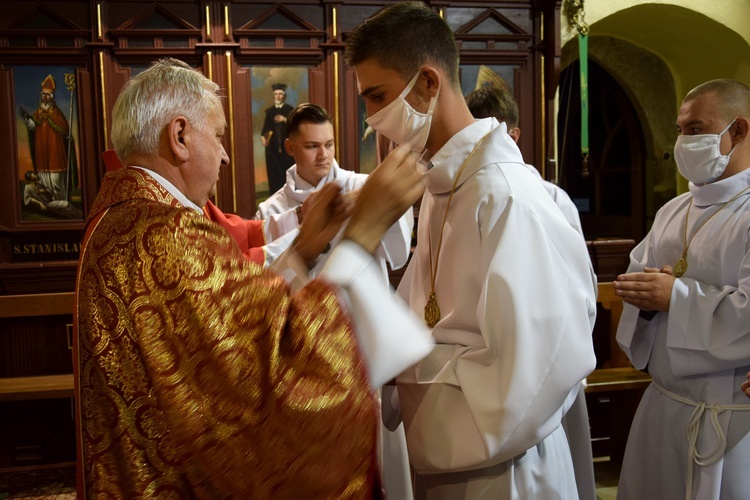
(474, 77)
(274, 92)
(47, 143)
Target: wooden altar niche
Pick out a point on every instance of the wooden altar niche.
(39, 241)
(243, 45)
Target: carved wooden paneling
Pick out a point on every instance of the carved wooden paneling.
(281, 35)
(44, 30)
(36, 346)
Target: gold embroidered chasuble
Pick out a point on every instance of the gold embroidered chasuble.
(199, 374)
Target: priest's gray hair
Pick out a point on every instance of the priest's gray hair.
(150, 100)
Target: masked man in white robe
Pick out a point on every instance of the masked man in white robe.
(310, 141)
(687, 315)
(502, 279)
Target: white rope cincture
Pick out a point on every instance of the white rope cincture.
(694, 430)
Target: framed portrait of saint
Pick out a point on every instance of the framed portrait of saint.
(47, 142)
(275, 91)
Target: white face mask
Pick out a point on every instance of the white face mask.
(403, 124)
(699, 158)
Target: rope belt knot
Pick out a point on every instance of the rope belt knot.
(694, 429)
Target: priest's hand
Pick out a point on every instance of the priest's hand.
(351, 198)
(650, 290)
(390, 190)
(325, 214)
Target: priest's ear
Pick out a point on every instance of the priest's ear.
(178, 138)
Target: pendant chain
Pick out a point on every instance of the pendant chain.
(431, 309)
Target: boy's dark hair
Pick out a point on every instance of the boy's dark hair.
(306, 112)
(404, 37)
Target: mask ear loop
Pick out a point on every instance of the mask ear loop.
(730, 138)
(428, 114)
(409, 86)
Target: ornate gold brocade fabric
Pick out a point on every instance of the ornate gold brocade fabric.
(200, 374)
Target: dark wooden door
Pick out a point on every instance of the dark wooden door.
(610, 192)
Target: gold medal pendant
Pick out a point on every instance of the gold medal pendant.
(432, 311)
(680, 267)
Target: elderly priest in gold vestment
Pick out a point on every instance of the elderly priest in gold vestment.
(200, 374)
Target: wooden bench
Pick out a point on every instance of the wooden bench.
(43, 386)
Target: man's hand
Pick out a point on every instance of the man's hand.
(390, 190)
(649, 291)
(349, 200)
(264, 141)
(346, 202)
(324, 215)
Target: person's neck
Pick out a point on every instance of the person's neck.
(451, 116)
(310, 180)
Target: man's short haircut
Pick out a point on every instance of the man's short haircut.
(150, 100)
(306, 112)
(404, 37)
(493, 101)
(733, 97)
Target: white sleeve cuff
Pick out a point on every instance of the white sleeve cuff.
(390, 336)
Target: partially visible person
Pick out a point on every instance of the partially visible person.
(273, 135)
(499, 103)
(37, 196)
(200, 374)
(49, 135)
(310, 142)
(687, 316)
(500, 277)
